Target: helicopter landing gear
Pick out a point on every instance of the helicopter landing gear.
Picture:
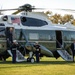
(31, 58)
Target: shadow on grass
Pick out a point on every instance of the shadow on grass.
(56, 62)
(41, 62)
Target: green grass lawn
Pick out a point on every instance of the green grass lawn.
(47, 66)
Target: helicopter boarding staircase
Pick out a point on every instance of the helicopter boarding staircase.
(65, 55)
(60, 52)
(19, 56)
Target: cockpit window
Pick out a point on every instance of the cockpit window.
(33, 22)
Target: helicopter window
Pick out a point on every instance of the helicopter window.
(41, 35)
(47, 35)
(66, 33)
(72, 36)
(33, 22)
(23, 19)
(5, 18)
(17, 32)
(19, 35)
(52, 36)
(2, 33)
(33, 36)
(69, 35)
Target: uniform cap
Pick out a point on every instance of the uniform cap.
(36, 41)
(14, 40)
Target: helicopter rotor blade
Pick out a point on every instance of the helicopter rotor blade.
(28, 7)
(71, 10)
(38, 8)
(67, 9)
(8, 9)
(16, 12)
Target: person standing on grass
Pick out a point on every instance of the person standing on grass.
(73, 49)
(37, 52)
(15, 45)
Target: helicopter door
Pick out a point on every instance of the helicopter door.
(58, 39)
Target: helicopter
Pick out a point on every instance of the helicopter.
(30, 27)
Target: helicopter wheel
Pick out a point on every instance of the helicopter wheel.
(28, 59)
(32, 60)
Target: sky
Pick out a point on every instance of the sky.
(64, 4)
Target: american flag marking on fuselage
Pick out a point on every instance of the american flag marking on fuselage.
(15, 20)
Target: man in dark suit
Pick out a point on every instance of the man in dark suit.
(73, 49)
(37, 47)
(15, 46)
(9, 36)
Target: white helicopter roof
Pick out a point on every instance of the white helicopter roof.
(37, 15)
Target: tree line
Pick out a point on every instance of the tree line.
(59, 19)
